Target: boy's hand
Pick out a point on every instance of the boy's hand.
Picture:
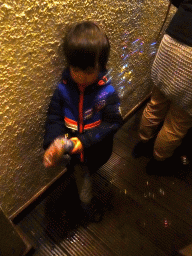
(54, 153)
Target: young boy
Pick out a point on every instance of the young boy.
(84, 113)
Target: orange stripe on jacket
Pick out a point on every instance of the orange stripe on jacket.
(70, 123)
(92, 125)
(73, 124)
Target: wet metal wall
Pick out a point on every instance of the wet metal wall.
(31, 62)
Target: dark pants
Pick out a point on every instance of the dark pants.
(95, 157)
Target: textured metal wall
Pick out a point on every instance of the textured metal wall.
(31, 62)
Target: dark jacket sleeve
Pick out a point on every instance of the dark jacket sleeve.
(176, 3)
(54, 125)
(111, 122)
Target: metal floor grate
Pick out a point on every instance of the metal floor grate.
(144, 215)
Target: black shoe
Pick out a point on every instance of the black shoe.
(93, 212)
(143, 149)
(155, 167)
(169, 167)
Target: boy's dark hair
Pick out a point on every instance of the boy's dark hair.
(86, 45)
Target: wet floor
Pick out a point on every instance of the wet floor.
(143, 215)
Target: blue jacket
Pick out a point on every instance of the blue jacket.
(101, 117)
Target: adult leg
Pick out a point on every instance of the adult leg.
(153, 115)
(175, 127)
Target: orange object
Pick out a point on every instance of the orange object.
(78, 148)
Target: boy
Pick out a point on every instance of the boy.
(84, 114)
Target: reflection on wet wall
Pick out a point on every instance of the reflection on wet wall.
(31, 62)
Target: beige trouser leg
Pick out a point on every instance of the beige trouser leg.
(84, 183)
(176, 124)
(153, 114)
(175, 127)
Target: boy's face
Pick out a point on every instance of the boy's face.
(84, 77)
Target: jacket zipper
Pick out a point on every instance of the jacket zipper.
(81, 126)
